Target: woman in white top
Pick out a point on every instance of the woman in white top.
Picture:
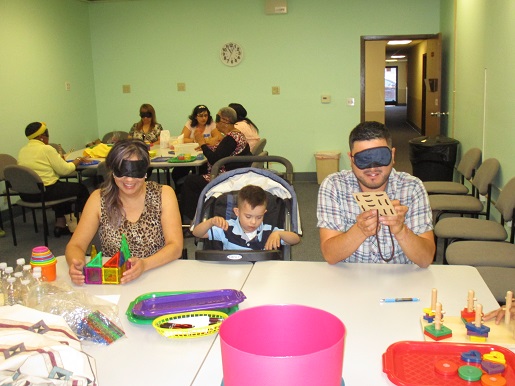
(201, 120)
(246, 126)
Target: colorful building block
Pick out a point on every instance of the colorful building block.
(93, 270)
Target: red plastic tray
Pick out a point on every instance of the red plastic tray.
(412, 363)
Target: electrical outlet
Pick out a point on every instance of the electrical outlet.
(67, 86)
(181, 86)
(126, 88)
(276, 90)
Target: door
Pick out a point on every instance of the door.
(433, 87)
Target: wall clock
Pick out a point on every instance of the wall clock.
(231, 54)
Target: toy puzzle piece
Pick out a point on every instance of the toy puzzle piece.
(493, 380)
(442, 333)
(472, 356)
(495, 356)
(492, 368)
(375, 200)
(446, 367)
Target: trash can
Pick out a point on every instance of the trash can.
(433, 158)
(327, 162)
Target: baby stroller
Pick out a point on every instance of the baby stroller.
(219, 198)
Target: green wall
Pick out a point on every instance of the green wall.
(485, 79)
(44, 44)
(312, 50)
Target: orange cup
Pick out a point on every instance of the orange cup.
(48, 271)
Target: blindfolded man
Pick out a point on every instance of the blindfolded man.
(349, 234)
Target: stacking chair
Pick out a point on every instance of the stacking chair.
(260, 146)
(114, 136)
(6, 160)
(462, 228)
(467, 168)
(495, 261)
(25, 181)
(469, 204)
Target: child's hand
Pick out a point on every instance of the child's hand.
(219, 222)
(274, 241)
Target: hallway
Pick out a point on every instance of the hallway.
(402, 133)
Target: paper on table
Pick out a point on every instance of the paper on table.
(114, 299)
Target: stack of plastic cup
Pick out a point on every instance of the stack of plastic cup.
(44, 258)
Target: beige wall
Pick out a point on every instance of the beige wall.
(415, 84)
(374, 75)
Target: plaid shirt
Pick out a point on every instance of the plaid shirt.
(337, 210)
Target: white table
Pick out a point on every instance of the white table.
(144, 357)
(160, 152)
(352, 293)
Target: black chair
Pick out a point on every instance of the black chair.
(6, 160)
(25, 181)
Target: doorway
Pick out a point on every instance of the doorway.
(420, 114)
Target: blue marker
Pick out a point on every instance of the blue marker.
(398, 300)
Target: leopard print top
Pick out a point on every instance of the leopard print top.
(145, 236)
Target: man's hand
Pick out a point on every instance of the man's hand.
(367, 222)
(396, 222)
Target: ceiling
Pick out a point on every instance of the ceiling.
(401, 49)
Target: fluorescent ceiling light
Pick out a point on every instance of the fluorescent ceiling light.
(391, 60)
(398, 56)
(398, 42)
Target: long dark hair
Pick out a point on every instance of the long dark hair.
(197, 110)
(121, 150)
(242, 114)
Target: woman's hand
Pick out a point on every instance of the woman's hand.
(76, 272)
(499, 314)
(199, 137)
(135, 271)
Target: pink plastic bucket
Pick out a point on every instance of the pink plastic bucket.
(282, 345)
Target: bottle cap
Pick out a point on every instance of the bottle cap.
(36, 269)
(27, 267)
(11, 279)
(20, 261)
(9, 270)
(3, 265)
(18, 274)
(25, 282)
(36, 275)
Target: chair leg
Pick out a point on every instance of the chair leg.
(445, 245)
(45, 226)
(34, 219)
(11, 218)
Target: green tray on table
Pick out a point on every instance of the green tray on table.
(142, 320)
(177, 160)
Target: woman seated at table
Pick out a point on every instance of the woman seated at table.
(200, 121)
(44, 159)
(145, 212)
(233, 144)
(147, 129)
(246, 126)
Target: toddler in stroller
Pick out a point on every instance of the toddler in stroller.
(247, 214)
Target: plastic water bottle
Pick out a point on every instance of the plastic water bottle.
(2, 297)
(3, 266)
(17, 283)
(27, 272)
(19, 265)
(37, 291)
(12, 294)
(24, 292)
(8, 272)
